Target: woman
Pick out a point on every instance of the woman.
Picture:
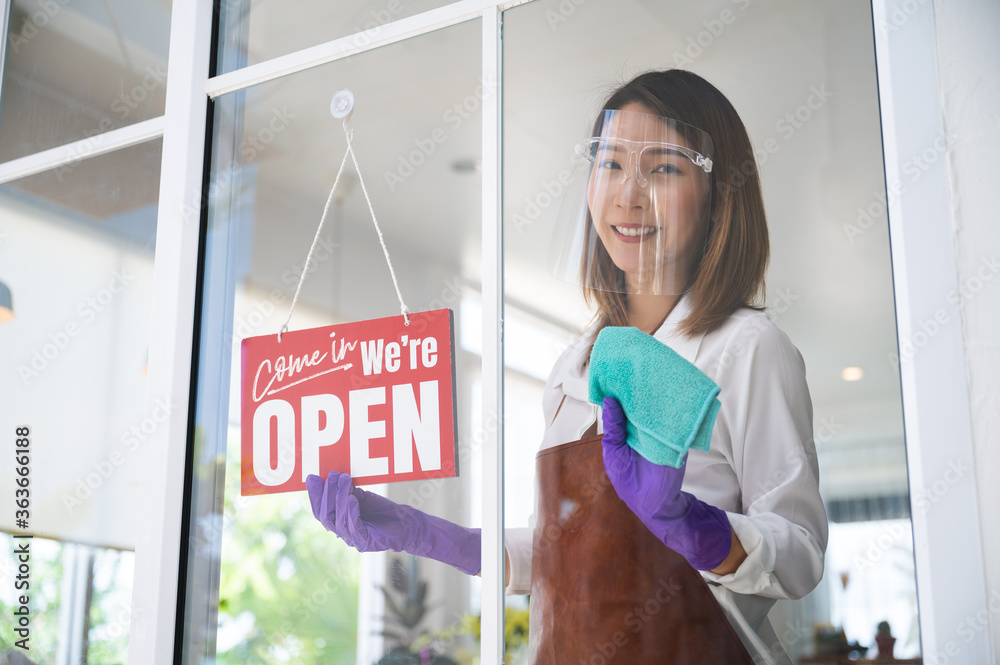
(672, 240)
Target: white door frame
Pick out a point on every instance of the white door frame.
(947, 541)
(189, 88)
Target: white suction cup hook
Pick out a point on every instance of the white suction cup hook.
(342, 104)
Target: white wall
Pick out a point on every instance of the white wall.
(969, 70)
(72, 362)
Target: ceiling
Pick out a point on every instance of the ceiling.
(829, 283)
(417, 129)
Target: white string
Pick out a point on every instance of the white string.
(402, 306)
(326, 209)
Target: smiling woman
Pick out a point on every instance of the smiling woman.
(648, 199)
(664, 242)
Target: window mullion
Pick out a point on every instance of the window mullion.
(492, 631)
(157, 552)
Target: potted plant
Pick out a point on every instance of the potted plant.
(884, 640)
(406, 608)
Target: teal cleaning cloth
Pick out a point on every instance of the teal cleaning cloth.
(670, 404)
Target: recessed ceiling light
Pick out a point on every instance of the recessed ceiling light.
(852, 373)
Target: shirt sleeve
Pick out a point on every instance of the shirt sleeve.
(766, 414)
(517, 543)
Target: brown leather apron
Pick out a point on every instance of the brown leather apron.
(603, 588)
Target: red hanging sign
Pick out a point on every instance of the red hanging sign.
(374, 399)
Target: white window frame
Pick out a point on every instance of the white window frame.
(947, 540)
(949, 560)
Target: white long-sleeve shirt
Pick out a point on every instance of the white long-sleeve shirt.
(760, 468)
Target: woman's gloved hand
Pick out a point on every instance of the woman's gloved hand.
(692, 528)
(369, 522)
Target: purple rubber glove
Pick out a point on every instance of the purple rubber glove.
(697, 531)
(369, 522)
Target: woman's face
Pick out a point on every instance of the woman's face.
(649, 203)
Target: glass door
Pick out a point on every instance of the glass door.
(812, 115)
(265, 583)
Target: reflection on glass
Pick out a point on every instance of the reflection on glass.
(81, 600)
(265, 582)
(81, 68)
(828, 289)
(872, 580)
(253, 31)
(76, 250)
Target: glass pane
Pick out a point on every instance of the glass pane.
(253, 31)
(265, 582)
(76, 254)
(78, 68)
(812, 117)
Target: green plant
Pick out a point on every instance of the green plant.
(288, 590)
(406, 608)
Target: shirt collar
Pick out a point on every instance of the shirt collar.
(670, 334)
(572, 375)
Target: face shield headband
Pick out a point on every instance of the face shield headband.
(635, 218)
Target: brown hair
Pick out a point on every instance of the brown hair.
(729, 274)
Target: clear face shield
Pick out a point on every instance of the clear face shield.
(636, 216)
